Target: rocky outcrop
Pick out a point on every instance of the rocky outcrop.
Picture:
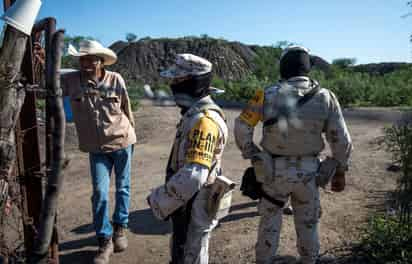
(319, 64)
(142, 60)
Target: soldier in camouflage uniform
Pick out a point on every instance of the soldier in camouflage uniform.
(194, 163)
(295, 113)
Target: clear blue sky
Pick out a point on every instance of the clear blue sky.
(369, 30)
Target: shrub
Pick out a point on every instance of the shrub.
(362, 89)
(385, 241)
(239, 91)
(399, 142)
(267, 64)
(344, 62)
(388, 238)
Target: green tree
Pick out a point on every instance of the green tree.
(75, 40)
(131, 37)
(344, 62)
(204, 36)
(267, 64)
(284, 44)
(69, 61)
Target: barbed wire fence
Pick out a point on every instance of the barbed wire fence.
(12, 197)
(11, 225)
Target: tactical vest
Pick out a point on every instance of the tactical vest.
(298, 128)
(189, 119)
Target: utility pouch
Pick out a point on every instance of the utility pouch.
(263, 164)
(259, 168)
(250, 187)
(220, 197)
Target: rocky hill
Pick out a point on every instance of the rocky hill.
(142, 60)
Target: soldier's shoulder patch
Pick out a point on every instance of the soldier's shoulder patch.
(252, 114)
(202, 142)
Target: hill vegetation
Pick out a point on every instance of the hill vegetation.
(240, 69)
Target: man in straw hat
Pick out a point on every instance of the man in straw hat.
(195, 161)
(105, 127)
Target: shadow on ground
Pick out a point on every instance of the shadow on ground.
(141, 222)
(233, 216)
(145, 223)
(285, 260)
(79, 256)
(85, 256)
(242, 206)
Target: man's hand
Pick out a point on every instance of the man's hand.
(338, 181)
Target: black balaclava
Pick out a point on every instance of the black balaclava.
(295, 63)
(195, 86)
(190, 90)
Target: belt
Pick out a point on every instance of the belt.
(277, 202)
(291, 161)
(299, 157)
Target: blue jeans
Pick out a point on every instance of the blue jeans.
(101, 165)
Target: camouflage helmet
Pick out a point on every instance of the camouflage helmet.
(187, 65)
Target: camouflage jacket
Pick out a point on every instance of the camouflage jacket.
(298, 129)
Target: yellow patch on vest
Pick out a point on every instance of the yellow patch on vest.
(252, 114)
(202, 142)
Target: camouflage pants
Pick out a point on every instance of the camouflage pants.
(299, 184)
(195, 230)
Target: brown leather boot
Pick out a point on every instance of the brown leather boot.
(119, 238)
(105, 251)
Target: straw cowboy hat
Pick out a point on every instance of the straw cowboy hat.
(92, 47)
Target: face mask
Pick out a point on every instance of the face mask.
(184, 100)
(195, 86)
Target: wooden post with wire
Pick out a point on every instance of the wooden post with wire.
(20, 155)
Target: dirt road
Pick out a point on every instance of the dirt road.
(233, 241)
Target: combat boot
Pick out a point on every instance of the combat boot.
(288, 210)
(104, 252)
(119, 238)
